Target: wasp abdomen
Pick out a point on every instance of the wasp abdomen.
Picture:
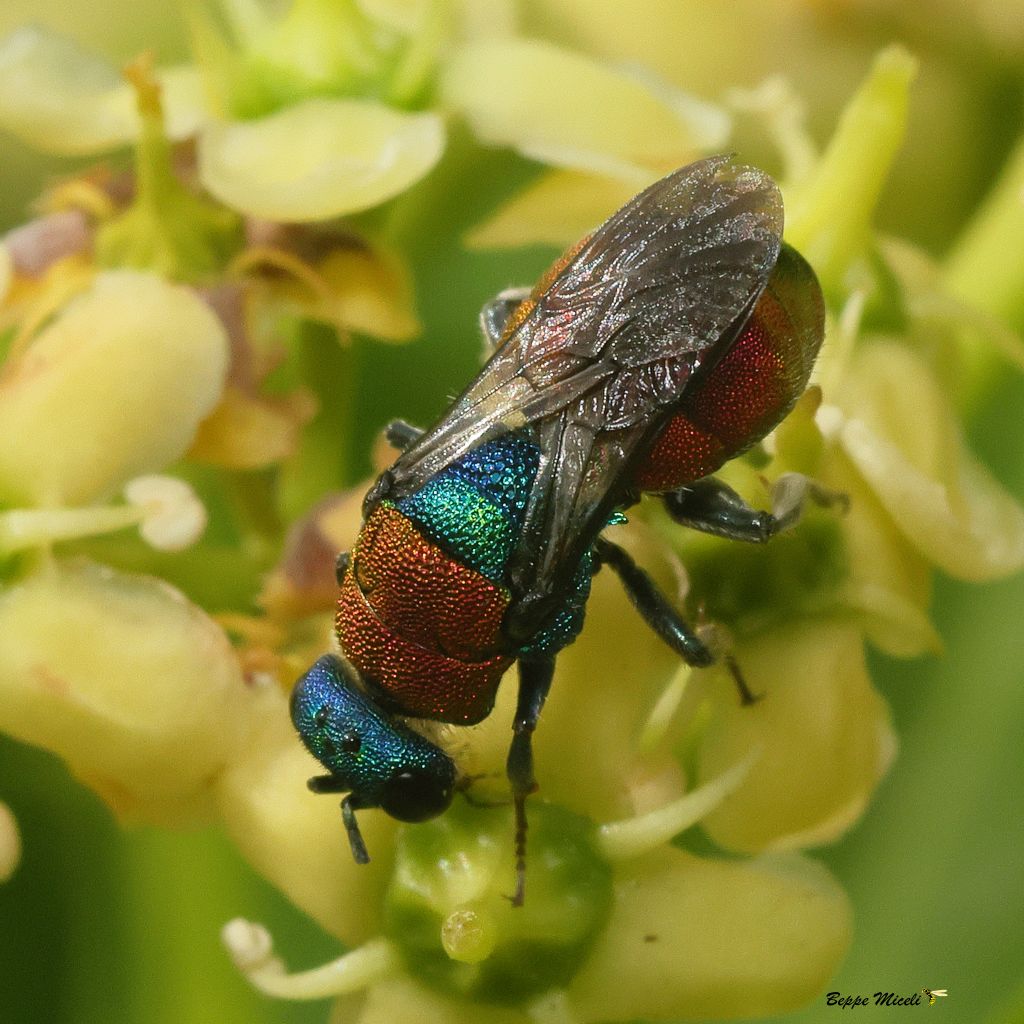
(423, 629)
(750, 389)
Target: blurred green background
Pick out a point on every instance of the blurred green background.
(99, 925)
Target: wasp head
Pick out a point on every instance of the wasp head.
(382, 762)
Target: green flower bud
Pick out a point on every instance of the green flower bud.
(449, 914)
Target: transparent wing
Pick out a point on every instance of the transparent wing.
(596, 358)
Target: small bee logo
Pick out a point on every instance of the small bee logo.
(933, 994)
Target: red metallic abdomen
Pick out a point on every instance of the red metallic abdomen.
(751, 387)
(422, 629)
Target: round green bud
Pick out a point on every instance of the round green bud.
(449, 910)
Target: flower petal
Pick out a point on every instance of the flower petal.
(60, 98)
(251, 432)
(700, 938)
(354, 288)
(572, 111)
(6, 271)
(10, 843)
(823, 732)
(901, 435)
(304, 581)
(136, 688)
(113, 388)
(888, 582)
(368, 292)
(41, 242)
(402, 1000)
(556, 209)
(828, 218)
(318, 159)
(295, 838)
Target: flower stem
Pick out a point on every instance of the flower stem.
(329, 367)
(165, 228)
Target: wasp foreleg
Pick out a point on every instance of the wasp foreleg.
(659, 614)
(495, 314)
(351, 804)
(341, 566)
(326, 784)
(713, 507)
(534, 682)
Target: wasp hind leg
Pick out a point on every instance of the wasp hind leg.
(495, 314)
(712, 507)
(534, 682)
(659, 614)
(401, 434)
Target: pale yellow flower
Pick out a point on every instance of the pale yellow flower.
(136, 688)
(335, 107)
(113, 388)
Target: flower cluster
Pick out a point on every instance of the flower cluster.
(175, 345)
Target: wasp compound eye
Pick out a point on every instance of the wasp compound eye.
(416, 794)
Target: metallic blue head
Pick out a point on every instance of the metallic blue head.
(379, 761)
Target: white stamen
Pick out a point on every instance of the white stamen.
(784, 113)
(841, 335)
(632, 837)
(830, 420)
(658, 721)
(24, 528)
(174, 516)
(252, 951)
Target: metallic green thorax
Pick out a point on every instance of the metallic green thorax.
(474, 510)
